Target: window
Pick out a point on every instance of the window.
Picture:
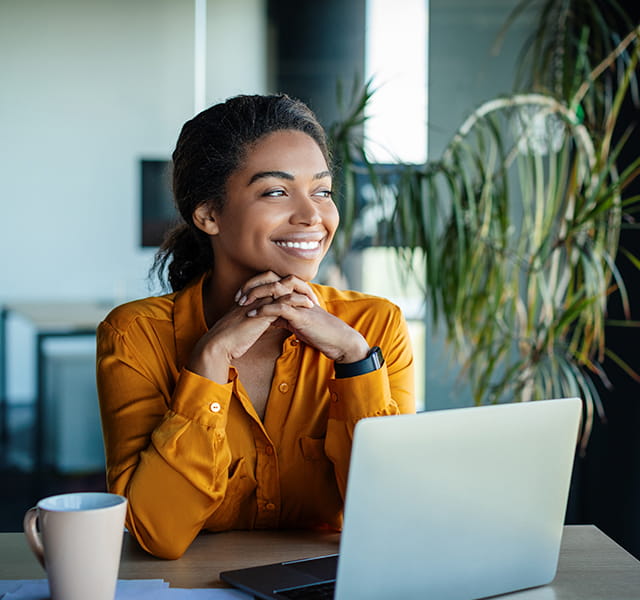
(396, 59)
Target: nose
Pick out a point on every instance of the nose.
(305, 211)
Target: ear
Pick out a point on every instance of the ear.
(205, 220)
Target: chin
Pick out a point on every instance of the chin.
(306, 274)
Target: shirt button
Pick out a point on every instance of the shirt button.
(269, 450)
(284, 387)
(295, 342)
(215, 407)
(270, 506)
(334, 397)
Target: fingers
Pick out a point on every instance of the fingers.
(257, 281)
(280, 306)
(312, 325)
(270, 285)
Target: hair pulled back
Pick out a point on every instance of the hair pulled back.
(211, 146)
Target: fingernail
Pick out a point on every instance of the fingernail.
(252, 313)
(242, 301)
(238, 294)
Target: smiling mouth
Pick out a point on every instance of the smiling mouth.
(299, 245)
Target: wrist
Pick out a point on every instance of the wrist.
(359, 350)
(210, 361)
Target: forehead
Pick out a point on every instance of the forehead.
(285, 150)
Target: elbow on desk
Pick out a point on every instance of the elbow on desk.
(161, 544)
(164, 548)
(156, 526)
(165, 552)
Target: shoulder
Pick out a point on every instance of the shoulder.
(348, 304)
(147, 310)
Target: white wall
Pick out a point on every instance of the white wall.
(89, 87)
(237, 48)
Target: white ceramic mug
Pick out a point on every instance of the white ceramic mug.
(79, 543)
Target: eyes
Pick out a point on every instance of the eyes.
(279, 192)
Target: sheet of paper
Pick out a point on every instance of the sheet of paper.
(9, 585)
(138, 589)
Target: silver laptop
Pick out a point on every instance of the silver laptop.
(453, 504)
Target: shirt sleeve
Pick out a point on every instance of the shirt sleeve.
(166, 452)
(386, 391)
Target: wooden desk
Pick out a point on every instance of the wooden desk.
(591, 567)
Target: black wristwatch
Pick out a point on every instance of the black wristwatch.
(373, 361)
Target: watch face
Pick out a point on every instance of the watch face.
(376, 357)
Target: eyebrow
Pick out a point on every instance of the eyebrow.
(284, 175)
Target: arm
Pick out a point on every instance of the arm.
(166, 453)
(387, 391)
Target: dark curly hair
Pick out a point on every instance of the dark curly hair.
(211, 146)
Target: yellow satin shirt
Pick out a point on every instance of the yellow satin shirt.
(191, 454)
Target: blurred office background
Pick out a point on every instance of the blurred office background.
(94, 91)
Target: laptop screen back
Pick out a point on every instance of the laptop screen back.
(461, 503)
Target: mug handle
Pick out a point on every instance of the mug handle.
(33, 537)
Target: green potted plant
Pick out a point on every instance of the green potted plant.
(517, 224)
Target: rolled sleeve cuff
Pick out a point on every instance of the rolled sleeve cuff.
(202, 400)
(353, 398)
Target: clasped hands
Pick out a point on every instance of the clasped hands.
(269, 300)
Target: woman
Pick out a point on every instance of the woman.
(231, 402)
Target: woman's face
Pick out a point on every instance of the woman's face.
(278, 214)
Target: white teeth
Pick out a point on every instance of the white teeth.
(301, 245)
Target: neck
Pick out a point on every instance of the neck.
(219, 298)
(218, 292)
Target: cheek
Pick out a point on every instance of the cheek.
(331, 217)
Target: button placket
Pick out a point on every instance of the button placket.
(268, 492)
(268, 434)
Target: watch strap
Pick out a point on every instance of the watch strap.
(372, 362)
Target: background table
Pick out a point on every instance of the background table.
(50, 320)
(591, 567)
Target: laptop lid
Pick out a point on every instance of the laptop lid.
(454, 504)
(463, 503)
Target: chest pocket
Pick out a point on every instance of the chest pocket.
(312, 448)
(320, 487)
